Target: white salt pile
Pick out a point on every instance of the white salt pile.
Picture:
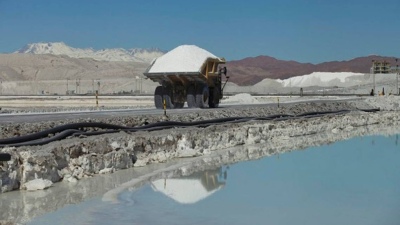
(320, 79)
(241, 98)
(182, 59)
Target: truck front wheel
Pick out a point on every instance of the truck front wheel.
(214, 97)
(202, 96)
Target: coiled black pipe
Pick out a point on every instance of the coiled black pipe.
(5, 157)
(64, 131)
(371, 110)
(45, 133)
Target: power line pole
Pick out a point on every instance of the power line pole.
(141, 85)
(373, 74)
(98, 85)
(397, 78)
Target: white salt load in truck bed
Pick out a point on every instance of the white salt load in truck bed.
(183, 59)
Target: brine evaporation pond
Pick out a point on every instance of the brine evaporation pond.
(354, 182)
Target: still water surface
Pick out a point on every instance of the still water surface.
(349, 182)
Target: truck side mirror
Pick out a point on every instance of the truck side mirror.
(223, 70)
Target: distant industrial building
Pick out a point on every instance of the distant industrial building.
(383, 67)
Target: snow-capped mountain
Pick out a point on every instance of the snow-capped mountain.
(146, 54)
(114, 54)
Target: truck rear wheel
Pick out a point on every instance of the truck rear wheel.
(191, 96)
(168, 97)
(179, 105)
(202, 96)
(158, 97)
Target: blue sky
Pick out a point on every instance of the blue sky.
(302, 30)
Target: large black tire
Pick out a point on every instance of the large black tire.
(178, 105)
(202, 96)
(214, 98)
(168, 96)
(158, 97)
(191, 96)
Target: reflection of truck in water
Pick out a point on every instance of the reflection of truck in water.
(187, 74)
(193, 188)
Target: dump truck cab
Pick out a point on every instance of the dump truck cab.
(187, 74)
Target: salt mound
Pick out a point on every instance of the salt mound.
(242, 98)
(182, 59)
(321, 79)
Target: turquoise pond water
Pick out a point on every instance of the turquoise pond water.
(353, 182)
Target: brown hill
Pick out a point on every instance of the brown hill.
(252, 70)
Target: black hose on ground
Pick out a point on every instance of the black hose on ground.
(371, 110)
(5, 157)
(43, 141)
(64, 131)
(46, 133)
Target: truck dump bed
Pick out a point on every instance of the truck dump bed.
(187, 74)
(186, 63)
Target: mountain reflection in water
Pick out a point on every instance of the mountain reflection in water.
(349, 182)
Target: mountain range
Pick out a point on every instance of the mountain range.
(114, 54)
(247, 71)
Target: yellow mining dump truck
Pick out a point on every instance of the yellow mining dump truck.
(187, 74)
